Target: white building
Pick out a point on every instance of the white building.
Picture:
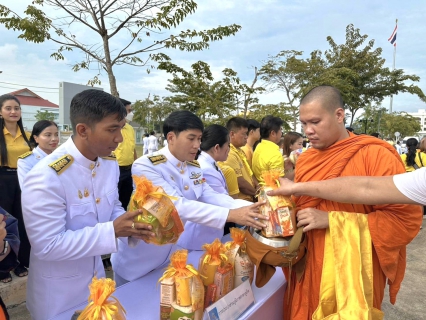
(421, 117)
(30, 104)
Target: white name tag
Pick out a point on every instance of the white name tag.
(232, 305)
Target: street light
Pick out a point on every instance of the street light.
(365, 121)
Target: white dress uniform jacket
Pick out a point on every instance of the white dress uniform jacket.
(27, 161)
(214, 176)
(68, 203)
(197, 202)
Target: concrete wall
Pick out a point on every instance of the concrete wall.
(67, 91)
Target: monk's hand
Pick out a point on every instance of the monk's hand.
(124, 226)
(311, 218)
(285, 189)
(248, 216)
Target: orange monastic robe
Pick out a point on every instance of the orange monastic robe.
(391, 227)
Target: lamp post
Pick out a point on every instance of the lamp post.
(365, 121)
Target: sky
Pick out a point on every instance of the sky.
(268, 26)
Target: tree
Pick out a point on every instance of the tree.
(151, 113)
(213, 101)
(358, 71)
(281, 110)
(103, 21)
(45, 115)
(280, 73)
(369, 122)
(400, 122)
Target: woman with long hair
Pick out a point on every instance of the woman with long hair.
(413, 159)
(44, 139)
(14, 141)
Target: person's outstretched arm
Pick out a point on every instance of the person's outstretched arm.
(362, 190)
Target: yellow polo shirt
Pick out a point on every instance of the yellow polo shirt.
(125, 150)
(249, 154)
(238, 162)
(15, 146)
(267, 156)
(230, 177)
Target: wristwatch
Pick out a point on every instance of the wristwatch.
(6, 246)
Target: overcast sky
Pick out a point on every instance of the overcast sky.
(268, 26)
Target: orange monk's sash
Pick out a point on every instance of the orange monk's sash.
(316, 165)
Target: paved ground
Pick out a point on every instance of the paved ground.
(410, 304)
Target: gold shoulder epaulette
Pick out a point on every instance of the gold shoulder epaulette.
(194, 163)
(26, 154)
(110, 157)
(157, 159)
(62, 163)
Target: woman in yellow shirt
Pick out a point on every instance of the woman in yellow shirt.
(413, 159)
(14, 141)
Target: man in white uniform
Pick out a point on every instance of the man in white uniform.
(175, 170)
(71, 208)
(152, 143)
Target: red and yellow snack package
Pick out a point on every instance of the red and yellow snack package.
(238, 257)
(158, 211)
(209, 262)
(102, 306)
(280, 210)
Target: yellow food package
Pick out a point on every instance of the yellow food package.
(280, 210)
(188, 285)
(209, 262)
(102, 306)
(158, 211)
(238, 257)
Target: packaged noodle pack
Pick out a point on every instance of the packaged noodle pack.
(237, 256)
(102, 306)
(280, 210)
(158, 211)
(181, 290)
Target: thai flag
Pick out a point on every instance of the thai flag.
(392, 38)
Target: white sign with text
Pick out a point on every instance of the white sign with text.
(232, 305)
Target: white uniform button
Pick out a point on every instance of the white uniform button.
(98, 200)
(93, 174)
(92, 165)
(186, 187)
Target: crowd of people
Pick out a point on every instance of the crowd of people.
(71, 201)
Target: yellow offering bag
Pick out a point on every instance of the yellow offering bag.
(280, 210)
(102, 306)
(188, 285)
(238, 257)
(214, 257)
(158, 211)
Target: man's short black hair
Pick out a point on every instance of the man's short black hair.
(181, 120)
(91, 106)
(125, 102)
(252, 124)
(269, 124)
(236, 123)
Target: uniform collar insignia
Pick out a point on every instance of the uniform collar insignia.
(195, 175)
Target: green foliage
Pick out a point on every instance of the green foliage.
(370, 120)
(398, 122)
(151, 113)
(45, 115)
(259, 111)
(281, 72)
(357, 70)
(213, 101)
(103, 20)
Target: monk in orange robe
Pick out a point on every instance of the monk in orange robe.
(337, 153)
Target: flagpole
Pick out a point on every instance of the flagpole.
(393, 69)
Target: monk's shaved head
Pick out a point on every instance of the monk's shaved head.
(327, 96)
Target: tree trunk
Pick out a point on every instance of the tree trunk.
(108, 68)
